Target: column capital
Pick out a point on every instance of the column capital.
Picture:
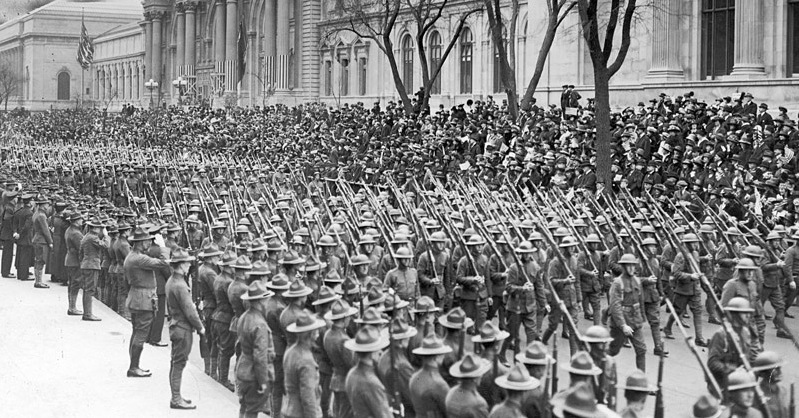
(190, 6)
(180, 8)
(158, 14)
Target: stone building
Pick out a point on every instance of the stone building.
(42, 46)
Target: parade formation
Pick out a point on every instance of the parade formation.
(363, 262)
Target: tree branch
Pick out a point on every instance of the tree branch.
(625, 39)
(610, 30)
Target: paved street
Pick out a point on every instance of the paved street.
(56, 365)
(59, 366)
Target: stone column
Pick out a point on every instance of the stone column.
(299, 27)
(189, 54)
(748, 40)
(666, 41)
(270, 39)
(120, 91)
(148, 42)
(155, 73)
(100, 85)
(180, 29)
(282, 44)
(219, 31)
(96, 84)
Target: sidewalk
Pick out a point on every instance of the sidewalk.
(54, 365)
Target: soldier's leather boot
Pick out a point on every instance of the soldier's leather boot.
(224, 371)
(207, 362)
(73, 300)
(214, 368)
(545, 337)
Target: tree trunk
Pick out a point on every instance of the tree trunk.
(543, 53)
(603, 139)
(395, 74)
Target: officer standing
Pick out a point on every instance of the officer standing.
(183, 321)
(302, 371)
(463, 400)
(142, 300)
(366, 393)
(93, 244)
(73, 238)
(254, 372)
(42, 241)
(8, 204)
(23, 232)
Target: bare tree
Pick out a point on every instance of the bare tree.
(557, 10)
(9, 82)
(377, 19)
(505, 52)
(590, 21)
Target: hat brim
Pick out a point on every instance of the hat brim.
(303, 292)
(211, 254)
(455, 370)
(326, 300)
(469, 322)
(330, 316)
(638, 388)
(424, 311)
(422, 351)
(283, 287)
(521, 358)
(594, 371)
(257, 273)
(316, 324)
(410, 332)
(769, 367)
(378, 345)
(139, 239)
(503, 382)
(257, 297)
(499, 337)
(181, 259)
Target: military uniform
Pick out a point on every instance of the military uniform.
(183, 321)
(627, 308)
(255, 364)
(570, 293)
(73, 238)
(42, 244)
(23, 226)
(523, 304)
(92, 246)
(142, 301)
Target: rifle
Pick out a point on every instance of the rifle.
(792, 405)
(397, 408)
(554, 367)
(660, 410)
(689, 341)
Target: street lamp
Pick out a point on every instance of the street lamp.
(151, 85)
(180, 83)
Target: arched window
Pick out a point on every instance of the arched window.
(407, 63)
(63, 85)
(435, 60)
(498, 88)
(467, 44)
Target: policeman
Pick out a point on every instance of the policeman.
(626, 311)
(767, 367)
(183, 321)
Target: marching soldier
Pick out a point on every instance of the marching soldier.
(767, 367)
(403, 279)
(652, 293)
(590, 278)
(435, 277)
(470, 275)
(686, 290)
(741, 393)
(568, 289)
(626, 311)
(526, 296)
(723, 357)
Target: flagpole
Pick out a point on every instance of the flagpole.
(82, 69)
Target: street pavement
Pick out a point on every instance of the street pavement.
(54, 365)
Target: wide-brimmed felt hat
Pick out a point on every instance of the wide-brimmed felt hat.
(579, 400)
(257, 290)
(367, 340)
(471, 366)
(638, 382)
(292, 258)
(242, 263)
(140, 234)
(279, 282)
(424, 305)
(707, 407)
(535, 354)
(490, 333)
(432, 346)
(326, 295)
(340, 309)
(582, 364)
(305, 322)
(259, 268)
(371, 317)
(518, 378)
(210, 251)
(313, 265)
(456, 319)
(400, 330)
(180, 255)
(297, 289)
(375, 296)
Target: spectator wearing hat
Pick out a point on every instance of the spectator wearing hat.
(463, 400)
(763, 118)
(23, 233)
(339, 316)
(142, 300)
(8, 205)
(42, 241)
(301, 368)
(722, 357)
(403, 279)
(518, 384)
(183, 321)
(92, 247)
(207, 275)
(365, 391)
(254, 368)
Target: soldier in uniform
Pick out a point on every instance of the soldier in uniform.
(403, 279)
(395, 373)
(92, 246)
(490, 339)
(435, 277)
(206, 278)
(518, 384)
(538, 363)
(254, 370)
(626, 311)
(142, 299)
(597, 337)
(589, 266)
(723, 357)
(455, 322)
(791, 258)
(686, 289)
(23, 232)
(42, 241)
(526, 296)
(767, 367)
(741, 393)
(302, 371)
(222, 317)
(121, 250)
(365, 391)
(636, 391)
(470, 275)
(652, 296)
(428, 389)
(273, 309)
(568, 289)
(72, 238)
(161, 276)
(463, 400)
(183, 321)
(775, 277)
(8, 205)
(341, 360)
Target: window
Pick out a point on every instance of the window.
(466, 61)
(718, 37)
(345, 77)
(328, 78)
(793, 37)
(407, 63)
(63, 85)
(435, 61)
(362, 78)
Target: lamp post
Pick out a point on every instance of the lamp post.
(151, 85)
(180, 83)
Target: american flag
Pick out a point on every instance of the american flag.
(85, 49)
